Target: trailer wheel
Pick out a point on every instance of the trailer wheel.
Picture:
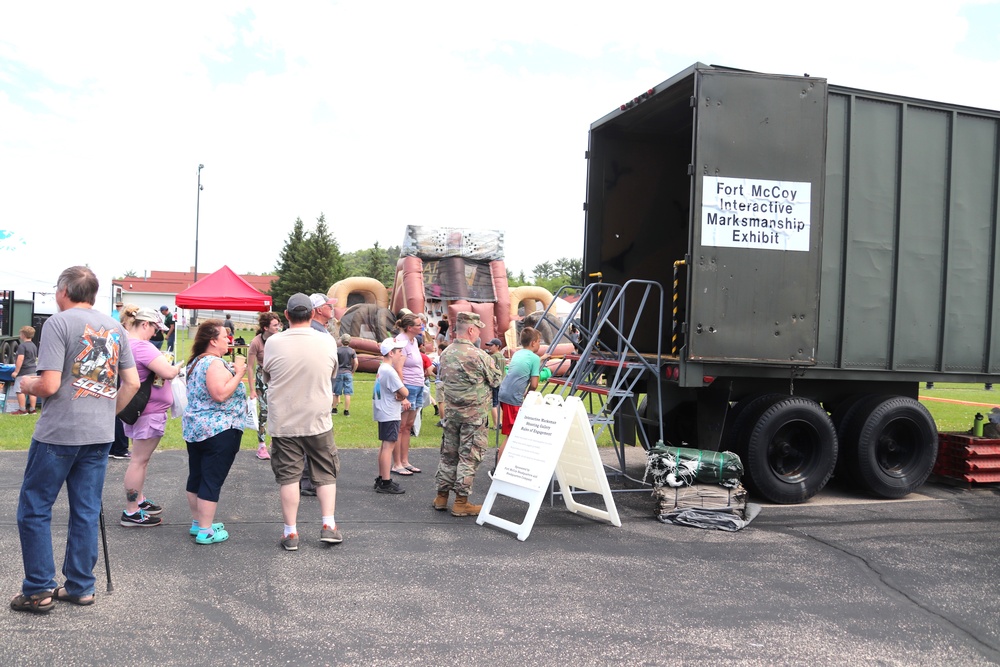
(9, 352)
(741, 418)
(897, 446)
(845, 417)
(791, 451)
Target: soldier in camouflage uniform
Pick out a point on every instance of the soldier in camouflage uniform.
(468, 375)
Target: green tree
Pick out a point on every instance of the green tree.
(375, 262)
(572, 268)
(289, 270)
(543, 271)
(322, 256)
(554, 275)
(309, 262)
(378, 264)
(517, 281)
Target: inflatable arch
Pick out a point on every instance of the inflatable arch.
(368, 289)
(530, 296)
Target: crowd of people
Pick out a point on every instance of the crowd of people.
(90, 366)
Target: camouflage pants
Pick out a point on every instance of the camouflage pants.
(261, 402)
(463, 446)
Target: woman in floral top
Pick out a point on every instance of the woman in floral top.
(212, 426)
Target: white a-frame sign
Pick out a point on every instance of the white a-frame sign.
(551, 434)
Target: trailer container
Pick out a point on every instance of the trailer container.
(837, 247)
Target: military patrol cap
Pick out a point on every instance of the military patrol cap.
(466, 319)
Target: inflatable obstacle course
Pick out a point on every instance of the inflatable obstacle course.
(447, 270)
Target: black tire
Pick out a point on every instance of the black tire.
(741, 418)
(845, 417)
(897, 446)
(791, 451)
(9, 352)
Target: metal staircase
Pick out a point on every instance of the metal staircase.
(607, 371)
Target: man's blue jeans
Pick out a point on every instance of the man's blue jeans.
(82, 469)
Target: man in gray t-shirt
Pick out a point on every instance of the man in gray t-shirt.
(82, 354)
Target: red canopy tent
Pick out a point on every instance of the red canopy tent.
(223, 290)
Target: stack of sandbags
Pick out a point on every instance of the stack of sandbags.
(698, 488)
(702, 497)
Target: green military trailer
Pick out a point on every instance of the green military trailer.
(827, 250)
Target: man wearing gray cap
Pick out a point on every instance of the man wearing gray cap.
(322, 314)
(298, 366)
(467, 374)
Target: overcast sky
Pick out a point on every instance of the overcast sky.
(383, 114)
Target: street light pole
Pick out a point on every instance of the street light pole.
(197, 214)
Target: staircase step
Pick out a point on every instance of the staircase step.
(591, 388)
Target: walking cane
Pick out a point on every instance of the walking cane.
(104, 541)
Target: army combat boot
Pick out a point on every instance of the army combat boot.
(441, 502)
(463, 507)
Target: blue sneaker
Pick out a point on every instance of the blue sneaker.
(194, 528)
(218, 536)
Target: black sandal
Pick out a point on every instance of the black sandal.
(33, 603)
(61, 595)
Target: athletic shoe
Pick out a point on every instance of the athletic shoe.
(262, 452)
(149, 507)
(307, 492)
(215, 527)
(347, 413)
(218, 536)
(139, 519)
(19, 412)
(392, 487)
(121, 457)
(290, 543)
(32, 411)
(330, 535)
(334, 411)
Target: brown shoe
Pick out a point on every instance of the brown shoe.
(463, 507)
(441, 502)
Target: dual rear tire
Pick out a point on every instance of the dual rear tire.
(890, 444)
(790, 446)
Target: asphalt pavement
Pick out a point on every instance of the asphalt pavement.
(841, 580)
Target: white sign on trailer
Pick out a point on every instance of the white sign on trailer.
(757, 214)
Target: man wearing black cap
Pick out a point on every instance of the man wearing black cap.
(493, 349)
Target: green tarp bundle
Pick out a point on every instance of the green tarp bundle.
(681, 466)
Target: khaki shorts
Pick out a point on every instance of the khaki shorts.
(288, 458)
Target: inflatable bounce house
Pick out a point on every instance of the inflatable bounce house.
(444, 270)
